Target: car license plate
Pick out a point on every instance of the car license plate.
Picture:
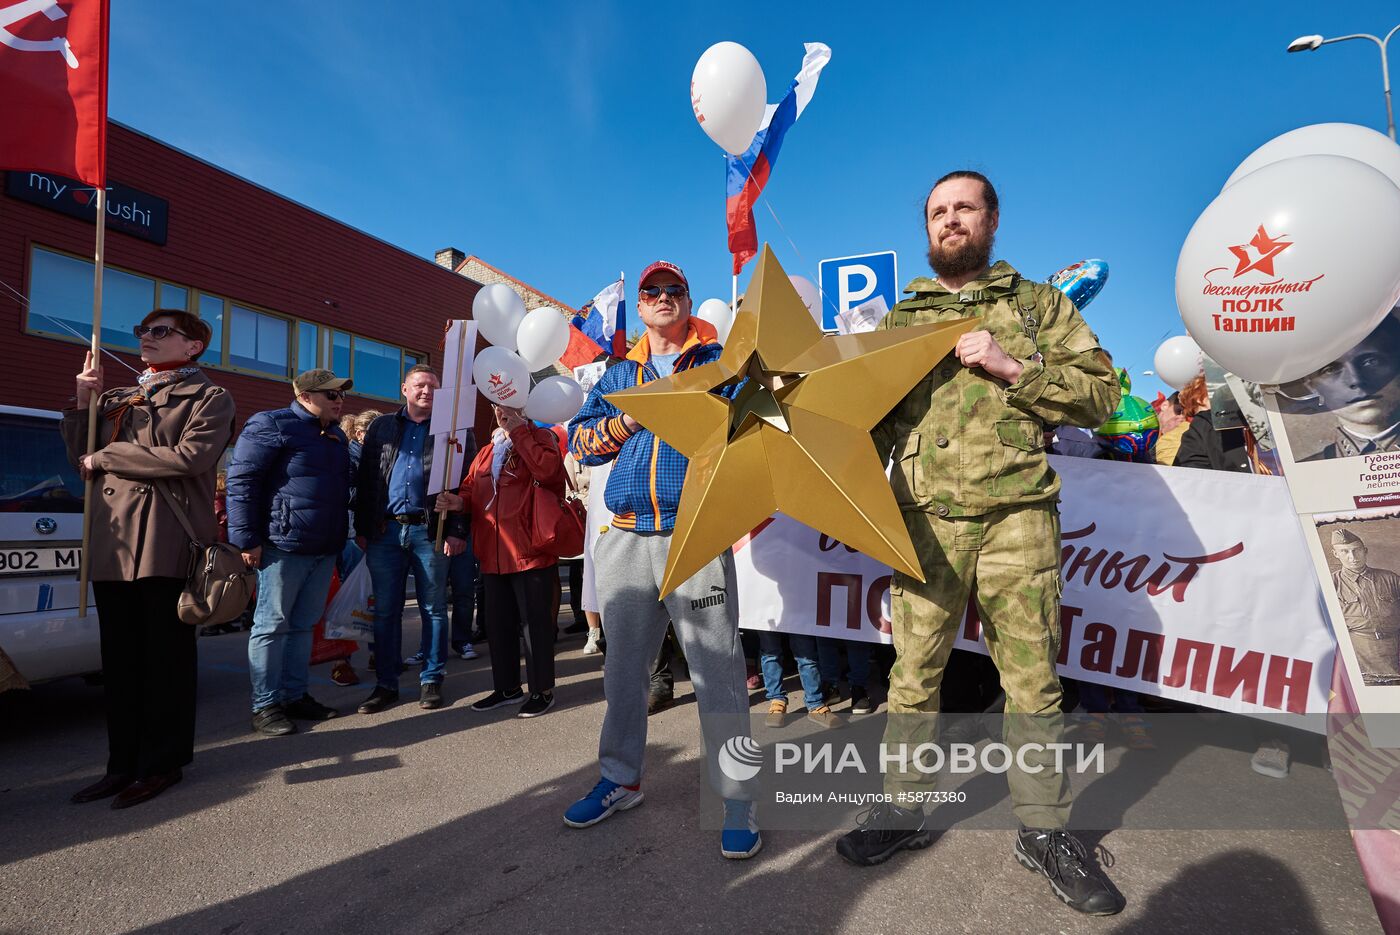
(19, 561)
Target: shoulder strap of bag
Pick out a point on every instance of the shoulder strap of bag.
(180, 514)
(170, 501)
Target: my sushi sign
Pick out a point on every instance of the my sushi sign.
(128, 210)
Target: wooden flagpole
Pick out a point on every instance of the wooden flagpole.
(84, 565)
(452, 435)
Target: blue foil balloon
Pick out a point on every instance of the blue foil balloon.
(1081, 281)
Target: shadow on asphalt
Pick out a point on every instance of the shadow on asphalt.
(1237, 891)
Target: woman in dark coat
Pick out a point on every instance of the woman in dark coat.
(170, 429)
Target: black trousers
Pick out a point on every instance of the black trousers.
(518, 603)
(663, 680)
(148, 675)
(575, 566)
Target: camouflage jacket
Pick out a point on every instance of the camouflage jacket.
(964, 442)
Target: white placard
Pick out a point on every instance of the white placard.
(459, 462)
(1189, 584)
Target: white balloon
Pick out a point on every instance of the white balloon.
(1326, 139)
(498, 310)
(729, 95)
(1291, 266)
(554, 399)
(718, 313)
(501, 376)
(1177, 361)
(810, 295)
(542, 337)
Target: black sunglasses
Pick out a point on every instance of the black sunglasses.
(675, 291)
(332, 395)
(159, 332)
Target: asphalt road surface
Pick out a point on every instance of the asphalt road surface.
(449, 821)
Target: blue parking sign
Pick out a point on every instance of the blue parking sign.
(849, 281)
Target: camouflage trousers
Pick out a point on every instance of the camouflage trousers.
(1011, 559)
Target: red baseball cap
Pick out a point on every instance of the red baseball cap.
(661, 266)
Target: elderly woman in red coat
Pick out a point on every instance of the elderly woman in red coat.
(519, 581)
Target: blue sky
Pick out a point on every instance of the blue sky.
(556, 140)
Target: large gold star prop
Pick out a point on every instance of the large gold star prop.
(795, 439)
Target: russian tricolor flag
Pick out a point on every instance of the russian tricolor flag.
(747, 174)
(606, 321)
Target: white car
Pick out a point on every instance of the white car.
(41, 530)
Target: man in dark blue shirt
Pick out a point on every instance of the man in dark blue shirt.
(398, 532)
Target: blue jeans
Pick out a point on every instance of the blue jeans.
(391, 556)
(461, 578)
(292, 593)
(770, 659)
(1100, 699)
(857, 656)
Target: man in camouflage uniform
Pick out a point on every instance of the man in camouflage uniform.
(979, 500)
(1370, 599)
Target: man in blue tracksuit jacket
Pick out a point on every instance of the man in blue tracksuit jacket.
(288, 491)
(643, 493)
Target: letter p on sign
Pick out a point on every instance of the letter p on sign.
(847, 282)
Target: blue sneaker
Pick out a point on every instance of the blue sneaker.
(607, 797)
(740, 838)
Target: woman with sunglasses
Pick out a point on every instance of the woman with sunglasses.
(169, 430)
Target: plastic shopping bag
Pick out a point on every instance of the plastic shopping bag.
(350, 615)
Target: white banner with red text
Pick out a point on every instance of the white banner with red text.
(1189, 584)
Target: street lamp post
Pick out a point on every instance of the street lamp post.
(1309, 43)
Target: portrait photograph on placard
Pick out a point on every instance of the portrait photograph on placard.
(1338, 427)
(1361, 552)
(1351, 406)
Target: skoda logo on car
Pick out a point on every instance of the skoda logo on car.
(45, 526)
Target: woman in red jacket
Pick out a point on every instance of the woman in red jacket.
(518, 580)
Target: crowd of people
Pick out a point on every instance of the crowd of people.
(309, 494)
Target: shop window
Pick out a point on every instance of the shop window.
(211, 309)
(306, 346)
(257, 342)
(377, 370)
(60, 299)
(410, 361)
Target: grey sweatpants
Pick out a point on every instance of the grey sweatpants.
(705, 612)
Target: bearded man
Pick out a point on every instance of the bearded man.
(978, 498)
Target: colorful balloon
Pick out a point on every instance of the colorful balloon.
(1081, 281)
(1291, 266)
(1132, 430)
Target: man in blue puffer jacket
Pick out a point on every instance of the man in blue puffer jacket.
(288, 489)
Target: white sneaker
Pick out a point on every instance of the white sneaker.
(467, 652)
(590, 648)
(1271, 759)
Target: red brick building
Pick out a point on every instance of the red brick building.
(284, 287)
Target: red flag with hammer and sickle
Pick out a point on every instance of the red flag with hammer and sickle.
(53, 87)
